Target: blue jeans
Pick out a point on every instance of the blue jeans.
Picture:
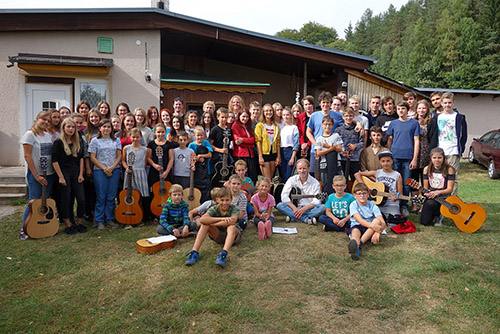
(35, 190)
(312, 213)
(331, 226)
(105, 188)
(403, 167)
(285, 169)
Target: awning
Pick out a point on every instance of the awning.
(57, 63)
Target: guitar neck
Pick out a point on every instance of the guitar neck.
(384, 194)
(302, 196)
(44, 190)
(129, 184)
(438, 199)
(191, 184)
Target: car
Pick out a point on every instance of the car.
(486, 151)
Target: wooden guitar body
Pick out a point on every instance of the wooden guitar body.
(144, 246)
(378, 186)
(160, 197)
(192, 195)
(41, 221)
(468, 217)
(129, 211)
(250, 190)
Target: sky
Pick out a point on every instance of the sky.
(264, 16)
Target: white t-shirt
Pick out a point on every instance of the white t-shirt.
(287, 133)
(363, 120)
(270, 133)
(447, 133)
(41, 147)
(333, 139)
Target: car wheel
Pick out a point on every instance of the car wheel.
(472, 158)
(492, 173)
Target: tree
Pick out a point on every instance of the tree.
(312, 33)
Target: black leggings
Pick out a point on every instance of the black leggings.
(75, 188)
(430, 209)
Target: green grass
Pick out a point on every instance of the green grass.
(437, 280)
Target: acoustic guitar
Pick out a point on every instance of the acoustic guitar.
(378, 192)
(222, 168)
(129, 211)
(251, 190)
(192, 195)
(41, 221)
(468, 217)
(296, 194)
(154, 245)
(317, 173)
(160, 188)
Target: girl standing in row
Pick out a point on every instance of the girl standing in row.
(267, 137)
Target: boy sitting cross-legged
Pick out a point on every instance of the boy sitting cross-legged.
(337, 214)
(174, 217)
(366, 221)
(221, 224)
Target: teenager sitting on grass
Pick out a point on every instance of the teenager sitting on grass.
(221, 224)
(367, 222)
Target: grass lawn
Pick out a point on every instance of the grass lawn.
(437, 280)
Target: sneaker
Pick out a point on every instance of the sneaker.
(221, 259)
(81, 228)
(404, 211)
(314, 221)
(353, 249)
(100, 226)
(438, 221)
(261, 230)
(384, 232)
(23, 236)
(112, 224)
(71, 230)
(269, 228)
(288, 219)
(309, 221)
(193, 256)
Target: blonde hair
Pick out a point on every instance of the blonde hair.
(240, 163)
(263, 179)
(144, 114)
(198, 129)
(223, 192)
(135, 131)
(175, 188)
(75, 139)
(234, 177)
(34, 128)
(339, 178)
(230, 103)
(214, 192)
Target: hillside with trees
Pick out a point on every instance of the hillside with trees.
(426, 43)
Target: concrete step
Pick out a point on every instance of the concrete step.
(7, 198)
(12, 175)
(13, 188)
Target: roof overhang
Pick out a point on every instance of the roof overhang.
(55, 63)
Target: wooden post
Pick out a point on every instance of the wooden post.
(305, 79)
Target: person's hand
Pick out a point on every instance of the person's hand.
(62, 181)
(393, 197)
(224, 151)
(351, 147)
(326, 145)
(158, 167)
(431, 194)
(163, 175)
(128, 170)
(291, 162)
(297, 213)
(413, 164)
(277, 162)
(80, 178)
(261, 161)
(239, 141)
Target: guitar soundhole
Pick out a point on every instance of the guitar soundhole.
(224, 172)
(163, 191)
(455, 209)
(129, 201)
(44, 210)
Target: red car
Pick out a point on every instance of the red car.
(486, 151)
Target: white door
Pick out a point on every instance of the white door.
(43, 97)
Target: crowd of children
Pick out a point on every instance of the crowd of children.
(221, 151)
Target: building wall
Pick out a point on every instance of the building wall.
(126, 77)
(365, 90)
(482, 113)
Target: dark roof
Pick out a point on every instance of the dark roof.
(27, 24)
(396, 83)
(459, 91)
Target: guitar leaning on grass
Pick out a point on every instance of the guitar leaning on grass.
(468, 217)
(192, 195)
(129, 210)
(160, 188)
(378, 192)
(41, 221)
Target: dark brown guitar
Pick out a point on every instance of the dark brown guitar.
(160, 188)
(129, 211)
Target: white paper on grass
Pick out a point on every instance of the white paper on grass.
(163, 238)
(285, 230)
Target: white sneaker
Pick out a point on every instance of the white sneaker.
(384, 232)
(314, 221)
(438, 221)
(288, 219)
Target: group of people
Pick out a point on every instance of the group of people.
(313, 151)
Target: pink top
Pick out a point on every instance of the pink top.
(268, 203)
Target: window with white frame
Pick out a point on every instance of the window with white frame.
(92, 91)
